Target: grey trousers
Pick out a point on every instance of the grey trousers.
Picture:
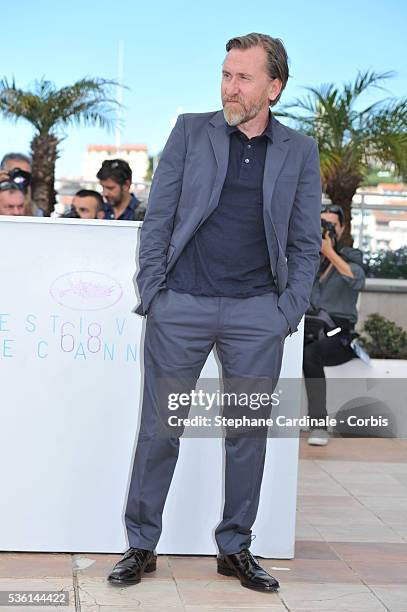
(181, 330)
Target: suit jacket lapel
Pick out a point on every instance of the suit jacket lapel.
(275, 157)
(220, 145)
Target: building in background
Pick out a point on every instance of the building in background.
(136, 155)
(379, 217)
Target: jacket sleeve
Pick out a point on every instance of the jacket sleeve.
(303, 241)
(158, 223)
(354, 258)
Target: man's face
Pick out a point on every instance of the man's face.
(333, 218)
(85, 207)
(246, 85)
(12, 202)
(113, 192)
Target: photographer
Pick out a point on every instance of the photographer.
(86, 204)
(335, 291)
(13, 186)
(17, 168)
(11, 201)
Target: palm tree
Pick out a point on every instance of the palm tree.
(50, 110)
(350, 139)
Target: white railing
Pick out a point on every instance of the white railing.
(372, 230)
(368, 230)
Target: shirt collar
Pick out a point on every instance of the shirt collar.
(133, 202)
(132, 205)
(231, 129)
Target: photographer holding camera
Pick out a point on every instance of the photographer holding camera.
(13, 187)
(330, 320)
(16, 167)
(86, 204)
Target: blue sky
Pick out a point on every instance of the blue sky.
(173, 53)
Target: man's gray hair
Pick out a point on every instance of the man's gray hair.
(15, 157)
(277, 60)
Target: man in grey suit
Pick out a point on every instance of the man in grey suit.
(228, 255)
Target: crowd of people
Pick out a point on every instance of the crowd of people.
(115, 202)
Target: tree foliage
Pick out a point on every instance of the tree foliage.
(352, 136)
(385, 340)
(50, 111)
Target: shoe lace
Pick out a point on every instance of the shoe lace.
(247, 553)
(250, 540)
(133, 552)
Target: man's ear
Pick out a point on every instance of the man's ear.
(274, 89)
(127, 185)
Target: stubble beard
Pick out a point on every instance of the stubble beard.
(117, 200)
(236, 114)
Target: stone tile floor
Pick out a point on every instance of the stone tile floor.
(351, 549)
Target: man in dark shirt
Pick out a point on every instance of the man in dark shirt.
(335, 290)
(216, 263)
(228, 253)
(115, 177)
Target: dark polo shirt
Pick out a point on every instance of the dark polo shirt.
(129, 214)
(228, 255)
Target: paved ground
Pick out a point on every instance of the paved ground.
(351, 550)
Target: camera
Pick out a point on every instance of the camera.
(71, 214)
(17, 179)
(328, 228)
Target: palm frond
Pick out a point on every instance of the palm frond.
(367, 79)
(89, 101)
(344, 133)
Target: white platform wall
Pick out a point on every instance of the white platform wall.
(70, 379)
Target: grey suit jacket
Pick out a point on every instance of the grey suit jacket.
(186, 189)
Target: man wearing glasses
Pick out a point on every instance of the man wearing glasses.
(336, 290)
(229, 251)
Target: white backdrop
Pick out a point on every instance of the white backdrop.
(70, 376)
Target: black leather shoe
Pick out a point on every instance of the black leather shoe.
(245, 567)
(132, 566)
